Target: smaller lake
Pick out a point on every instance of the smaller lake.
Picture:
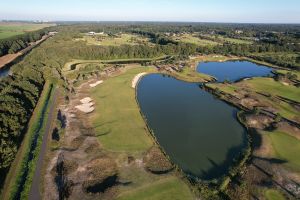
(233, 70)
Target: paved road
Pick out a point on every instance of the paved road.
(34, 193)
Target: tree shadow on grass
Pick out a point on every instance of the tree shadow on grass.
(103, 134)
(271, 160)
(105, 123)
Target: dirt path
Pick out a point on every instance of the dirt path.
(34, 193)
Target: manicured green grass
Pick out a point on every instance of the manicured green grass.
(291, 71)
(226, 88)
(8, 30)
(223, 39)
(269, 85)
(191, 75)
(273, 195)
(166, 189)
(286, 147)
(234, 40)
(117, 120)
(188, 38)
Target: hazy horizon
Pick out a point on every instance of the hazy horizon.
(232, 11)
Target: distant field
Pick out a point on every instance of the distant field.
(227, 39)
(106, 40)
(188, 38)
(12, 29)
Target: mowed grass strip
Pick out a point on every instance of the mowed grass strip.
(275, 88)
(188, 38)
(273, 195)
(117, 119)
(287, 148)
(167, 189)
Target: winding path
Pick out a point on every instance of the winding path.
(34, 193)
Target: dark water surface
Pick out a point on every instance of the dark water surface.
(233, 70)
(199, 132)
(4, 71)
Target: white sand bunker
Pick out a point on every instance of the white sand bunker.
(86, 100)
(87, 106)
(95, 84)
(136, 79)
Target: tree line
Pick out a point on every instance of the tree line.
(16, 43)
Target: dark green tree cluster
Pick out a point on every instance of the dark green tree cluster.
(19, 42)
(18, 97)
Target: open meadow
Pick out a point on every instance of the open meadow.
(12, 29)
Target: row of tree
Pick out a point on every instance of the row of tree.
(16, 43)
(18, 97)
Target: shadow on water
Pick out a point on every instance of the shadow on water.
(217, 170)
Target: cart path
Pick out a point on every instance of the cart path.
(34, 193)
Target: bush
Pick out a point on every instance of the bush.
(157, 162)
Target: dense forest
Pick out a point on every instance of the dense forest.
(20, 91)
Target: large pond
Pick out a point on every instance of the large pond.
(199, 132)
(233, 70)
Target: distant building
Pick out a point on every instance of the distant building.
(53, 33)
(238, 31)
(91, 33)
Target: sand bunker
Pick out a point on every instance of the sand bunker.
(86, 100)
(136, 79)
(95, 84)
(87, 106)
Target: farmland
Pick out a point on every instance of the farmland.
(12, 29)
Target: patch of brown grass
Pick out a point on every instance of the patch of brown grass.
(157, 162)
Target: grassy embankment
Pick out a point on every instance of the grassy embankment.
(22, 163)
(269, 87)
(12, 29)
(122, 131)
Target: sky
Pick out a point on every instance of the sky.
(240, 11)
